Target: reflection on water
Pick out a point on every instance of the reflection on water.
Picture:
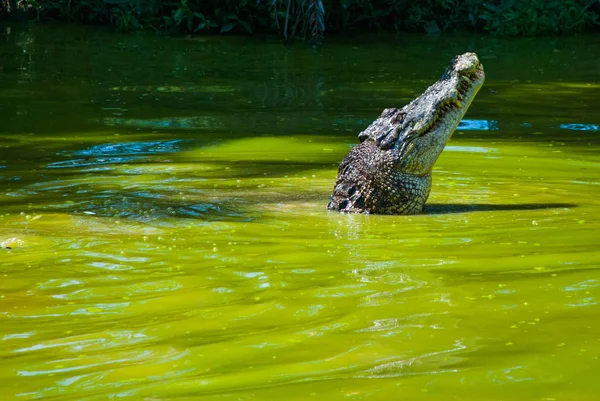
(130, 148)
(478, 125)
(114, 153)
(212, 123)
(203, 122)
(170, 123)
(580, 127)
(163, 232)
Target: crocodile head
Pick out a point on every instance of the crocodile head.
(420, 130)
(391, 168)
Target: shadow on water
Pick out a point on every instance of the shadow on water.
(449, 208)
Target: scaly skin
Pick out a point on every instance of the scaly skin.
(389, 172)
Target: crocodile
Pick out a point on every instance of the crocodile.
(389, 171)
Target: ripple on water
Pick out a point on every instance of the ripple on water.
(116, 153)
(167, 268)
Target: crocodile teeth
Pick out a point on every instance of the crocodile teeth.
(458, 104)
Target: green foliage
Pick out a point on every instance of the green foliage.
(538, 17)
(198, 16)
(309, 19)
(124, 19)
(508, 17)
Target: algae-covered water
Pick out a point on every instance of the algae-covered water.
(164, 233)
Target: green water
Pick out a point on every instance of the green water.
(164, 200)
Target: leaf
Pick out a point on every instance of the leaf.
(246, 26)
(490, 7)
(228, 27)
(178, 16)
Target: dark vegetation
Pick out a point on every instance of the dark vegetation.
(310, 19)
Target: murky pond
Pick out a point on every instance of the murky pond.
(164, 233)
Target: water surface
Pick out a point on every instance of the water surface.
(164, 233)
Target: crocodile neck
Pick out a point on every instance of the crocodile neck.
(371, 184)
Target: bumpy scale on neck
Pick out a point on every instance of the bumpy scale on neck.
(368, 182)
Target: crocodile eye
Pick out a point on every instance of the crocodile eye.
(388, 112)
(386, 140)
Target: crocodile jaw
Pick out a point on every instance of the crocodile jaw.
(431, 119)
